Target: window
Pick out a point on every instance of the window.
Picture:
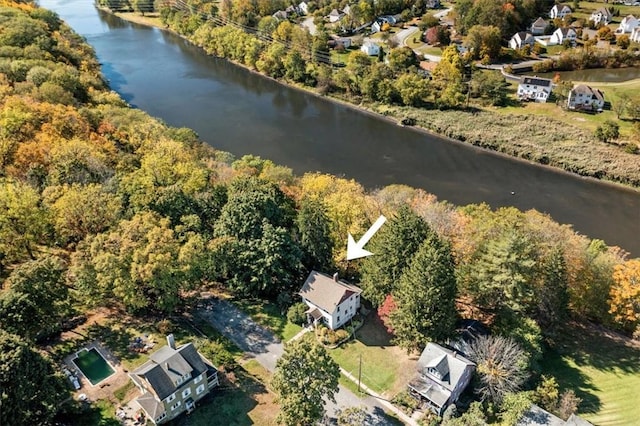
(160, 417)
(338, 319)
(200, 389)
(176, 405)
(338, 308)
(198, 379)
(179, 381)
(171, 397)
(186, 392)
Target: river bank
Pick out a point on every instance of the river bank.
(516, 133)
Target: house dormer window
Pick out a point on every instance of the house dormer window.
(198, 379)
(171, 397)
(434, 372)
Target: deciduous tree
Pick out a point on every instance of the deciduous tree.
(624, 299)
(304, 376)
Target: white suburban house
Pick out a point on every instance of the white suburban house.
(441, 377)
(172, 381)
(560, 35)
(583, 97)
(370, 48)
(335, 15)
(304, 8)
(559, 11)
(635, 35)
(627, 25)
(601, 16)
(538, 26)
(522, 39)
(534, 89)
(330, 300)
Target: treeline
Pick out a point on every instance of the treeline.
(103, 205)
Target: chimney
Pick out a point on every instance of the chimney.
(171, 341)
(335, 277)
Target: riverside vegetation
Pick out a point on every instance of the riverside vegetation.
(104, 206)
(457, 102)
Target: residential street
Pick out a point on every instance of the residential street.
(262, 345)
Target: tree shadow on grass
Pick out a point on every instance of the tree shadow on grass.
(229, 404)
(570, 377)
(374, 333)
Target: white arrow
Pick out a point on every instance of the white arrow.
(355, 250)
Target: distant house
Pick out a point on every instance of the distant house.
(432, 4)
(534, 89)
(635, 35)
(344, 41)
(335, 15)
(627, 25)
(281, 15)
(559, 11)
(538, 26)
(370, 48)
(172, 381)
(346, 10)
(536, 416)
(303, 7)
(376, 27)
(441, 377)
(585, 98)
(521, 39)
(601, 16)
(330, 300)
(560, 35)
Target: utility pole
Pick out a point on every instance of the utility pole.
(360, 373)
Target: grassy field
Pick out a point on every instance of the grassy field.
(603, 369)
(385, 368)
(268, 315)
(242, 400)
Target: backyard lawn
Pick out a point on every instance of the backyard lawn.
(242, 400)
(385, 368)
(603, 369)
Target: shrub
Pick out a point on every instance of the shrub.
(341, 335)
(632, 148)
(164, 326)
(406, 402)
(296, 314)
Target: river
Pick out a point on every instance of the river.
(243, 113)
(607, 75)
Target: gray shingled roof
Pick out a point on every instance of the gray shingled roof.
(149, 404)
(167, 365)
(538, 22)
(456, 364)
(587, 90)
(325, 292)
(536, 416)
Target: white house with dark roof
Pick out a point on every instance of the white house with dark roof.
(329, 299)
(627, 25)
(601, 16)
(534, 89)
(538, 26)
(559, 11)
(441, 377)
(172, 381)
(560, 35)
(522, 39)
(585, 98)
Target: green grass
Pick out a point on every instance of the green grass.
(380, 361)
(245, 401)
(269, 316)
(121, 393)
(588, 7)
(602, 370)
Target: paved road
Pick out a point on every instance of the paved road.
(262, 345)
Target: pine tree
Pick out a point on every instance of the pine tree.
(314, 235)
(394, 246)
(426, 297)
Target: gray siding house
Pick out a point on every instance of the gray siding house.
(442, 376)
(172, 381)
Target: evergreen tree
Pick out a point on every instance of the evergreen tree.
(551, 294)
(314, 235)
(394, 246)
(426, 297)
